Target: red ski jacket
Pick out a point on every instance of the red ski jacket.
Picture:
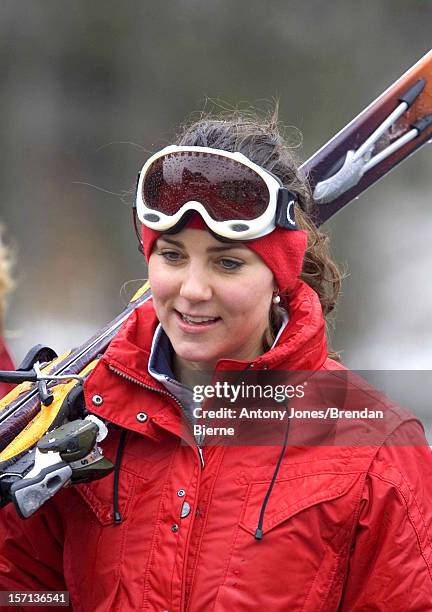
(345, 527)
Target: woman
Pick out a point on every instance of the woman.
(182, 525)
(5, 285)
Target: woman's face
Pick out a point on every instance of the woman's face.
(212, 299)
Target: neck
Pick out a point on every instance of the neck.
(190, 373)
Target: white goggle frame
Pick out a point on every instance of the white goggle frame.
(254, 228)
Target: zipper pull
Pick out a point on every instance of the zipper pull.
(201, 456)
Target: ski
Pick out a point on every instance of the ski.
(385, 133)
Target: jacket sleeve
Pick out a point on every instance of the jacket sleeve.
(31, 551)
(390, 566)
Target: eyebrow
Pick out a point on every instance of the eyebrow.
(225, 247)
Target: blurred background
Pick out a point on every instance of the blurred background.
(91, 89)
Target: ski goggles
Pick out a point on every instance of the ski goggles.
(236, 198)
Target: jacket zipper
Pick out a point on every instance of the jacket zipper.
(201, 455)
(144, 386)
(162, 392)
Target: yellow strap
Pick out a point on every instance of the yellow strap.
(12, 395)
(140, 291)
(40, 424)
(27, 386)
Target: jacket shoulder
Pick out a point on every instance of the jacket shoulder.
(332, 364)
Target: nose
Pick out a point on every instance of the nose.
(195, 285)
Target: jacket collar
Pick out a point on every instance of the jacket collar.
(303, 344)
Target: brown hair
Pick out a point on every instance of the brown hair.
(262, 142)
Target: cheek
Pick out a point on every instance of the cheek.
(161, 280)
(250, 300)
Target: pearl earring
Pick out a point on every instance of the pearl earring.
(276, 299)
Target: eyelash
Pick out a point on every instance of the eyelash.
(173, 257)
(167, 256)
(237, 264)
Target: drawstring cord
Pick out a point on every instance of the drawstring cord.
(259, 534)
(116, 511)
(259, 530)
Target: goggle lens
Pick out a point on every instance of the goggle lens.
(228, 189)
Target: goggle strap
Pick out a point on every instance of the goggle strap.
(285, 209)
(135, 218)
(137, 230)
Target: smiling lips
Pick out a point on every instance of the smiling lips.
(197, 319)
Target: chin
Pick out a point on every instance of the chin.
(197, 356)
(195, 351)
